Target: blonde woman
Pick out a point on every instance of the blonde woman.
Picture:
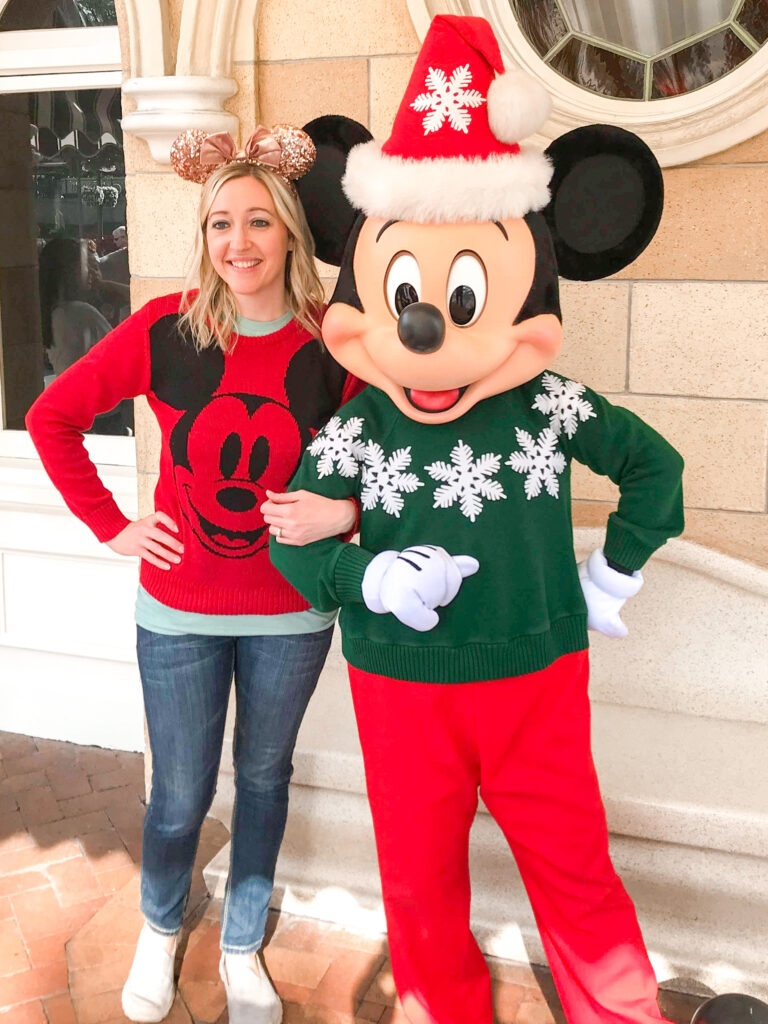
(239, 383)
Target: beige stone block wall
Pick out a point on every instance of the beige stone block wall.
(697, 348)
(339, 28)
(595, 333)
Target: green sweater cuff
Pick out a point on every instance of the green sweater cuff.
(625, 549)
(348, 573)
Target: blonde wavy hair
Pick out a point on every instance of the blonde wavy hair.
(211, 314)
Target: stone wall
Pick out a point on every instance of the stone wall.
(680, 337)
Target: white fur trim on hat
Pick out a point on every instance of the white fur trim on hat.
(518, 106)
(446, 190)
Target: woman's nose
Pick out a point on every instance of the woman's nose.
(239, 237)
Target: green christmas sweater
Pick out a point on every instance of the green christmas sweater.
(494, 484)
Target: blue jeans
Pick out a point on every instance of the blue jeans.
(186, 682)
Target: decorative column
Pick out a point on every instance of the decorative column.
(191, 95)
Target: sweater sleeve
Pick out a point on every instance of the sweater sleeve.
(328, 573)
(117, 367)
(616, 443)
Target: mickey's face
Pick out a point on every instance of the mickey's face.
(438, 331)
(223, 464)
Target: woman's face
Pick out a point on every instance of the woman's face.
(248, 245)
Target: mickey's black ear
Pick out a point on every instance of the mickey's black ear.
(329, 212)
(182, 376)
(607, 198)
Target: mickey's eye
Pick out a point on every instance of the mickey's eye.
(229, 456)
(402, 285)
(467, 289)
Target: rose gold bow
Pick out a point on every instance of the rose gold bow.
(284, 149)
(261, 148)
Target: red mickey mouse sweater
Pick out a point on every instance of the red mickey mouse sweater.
(232, 426)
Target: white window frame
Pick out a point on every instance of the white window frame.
(48, 60)
(679, 129)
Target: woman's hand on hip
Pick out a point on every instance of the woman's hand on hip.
(149, 541)
(301, 517)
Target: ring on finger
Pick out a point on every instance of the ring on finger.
(279, 533)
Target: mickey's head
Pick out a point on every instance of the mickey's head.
(228, 447)
(448, 287)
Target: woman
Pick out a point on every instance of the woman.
(239, 382)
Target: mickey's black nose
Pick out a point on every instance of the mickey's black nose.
(421, 327)
(236, 499)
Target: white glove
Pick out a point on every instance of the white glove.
(605, 591)
(413, 582)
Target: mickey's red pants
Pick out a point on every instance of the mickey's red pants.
(524, 743)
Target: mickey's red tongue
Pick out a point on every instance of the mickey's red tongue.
(434, 401)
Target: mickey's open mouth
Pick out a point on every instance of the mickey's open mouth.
(232, 541)
(434, 401)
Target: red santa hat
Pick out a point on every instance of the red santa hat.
(454, 153)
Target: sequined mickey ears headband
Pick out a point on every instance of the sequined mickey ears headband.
(286, 150)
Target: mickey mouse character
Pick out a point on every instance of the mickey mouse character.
(464, 614)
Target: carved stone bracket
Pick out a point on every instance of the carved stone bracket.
(166, 106)
(193, 96)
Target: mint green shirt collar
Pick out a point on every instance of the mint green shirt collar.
(259, 328)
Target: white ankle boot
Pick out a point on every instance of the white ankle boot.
(149, 991)
(251, 999)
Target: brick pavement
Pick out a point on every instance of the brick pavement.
(70, 844)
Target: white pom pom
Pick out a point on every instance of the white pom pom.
(517, 106)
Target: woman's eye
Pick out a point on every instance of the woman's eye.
(260, 223)
(467, 289)
(402, 285)
(219, 225)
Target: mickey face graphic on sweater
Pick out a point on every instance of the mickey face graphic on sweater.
(225, 458)
(230, 445)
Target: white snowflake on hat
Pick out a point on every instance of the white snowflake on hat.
(462, 160)
(448, 98)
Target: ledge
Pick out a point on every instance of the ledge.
(169, 104)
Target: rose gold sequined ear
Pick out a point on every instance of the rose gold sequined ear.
(298, 151)
(185, 156)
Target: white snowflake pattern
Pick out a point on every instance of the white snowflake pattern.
(385, 480)
(337, 444)
(448, 98)
(540, 459)
(467, 481)
(563, 404)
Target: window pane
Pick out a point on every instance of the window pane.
(541, 22)
(600, 70)
(23, 14)
(698, 64)
(754, 17)
(646, 26)
(68, 282)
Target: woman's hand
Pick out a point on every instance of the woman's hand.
(146, 539)
(301, 517)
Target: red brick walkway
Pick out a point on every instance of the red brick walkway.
(70, 844)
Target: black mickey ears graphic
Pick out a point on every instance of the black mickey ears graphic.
(182, 375)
